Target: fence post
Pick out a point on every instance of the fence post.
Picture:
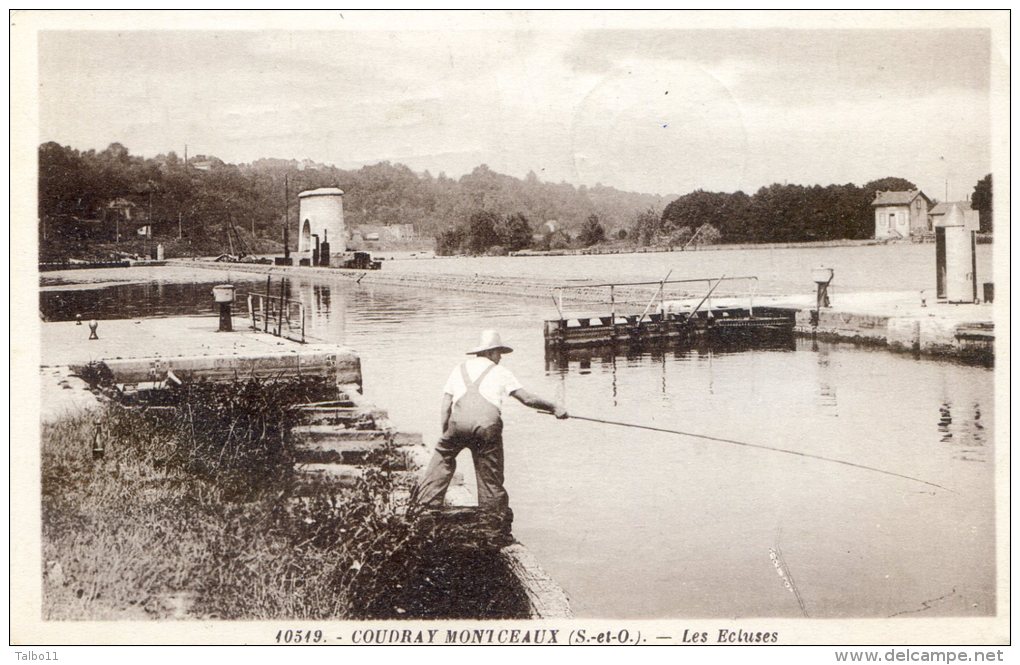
(279, 312)
(612, 309)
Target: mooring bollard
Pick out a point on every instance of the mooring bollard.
(224, 295)
(93, 325)
(822, 278)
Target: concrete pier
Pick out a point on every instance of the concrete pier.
(142, 353)
(901, 322)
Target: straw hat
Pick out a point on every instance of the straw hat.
(490, 340)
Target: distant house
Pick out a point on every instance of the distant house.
(120, 218)
(204, 163)
(400, 231)
(901, 214)
(121, 209)
(387, 232)
(940, 209)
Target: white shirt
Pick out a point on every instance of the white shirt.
(496, 387)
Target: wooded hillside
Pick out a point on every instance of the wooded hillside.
(208, 195)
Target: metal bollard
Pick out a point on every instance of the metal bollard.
(822, 278)
(93, 325)
(224, 295)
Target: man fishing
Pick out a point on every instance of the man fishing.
(471, 418)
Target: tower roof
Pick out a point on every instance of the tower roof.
(322, 191)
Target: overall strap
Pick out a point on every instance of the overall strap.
(472, 386)
(481, 377)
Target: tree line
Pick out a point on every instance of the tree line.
(776, 213)
(783, 213)
(481, 212)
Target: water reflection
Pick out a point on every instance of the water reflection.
(826, 390)
(965, 436)
(945, 420)
(667, 360)
(326, 314)
(558, 360)
(146, 300)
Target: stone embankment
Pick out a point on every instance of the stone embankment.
(901, 321)
(929, 335)
(148, 352)
(338, 442)
(654, 249)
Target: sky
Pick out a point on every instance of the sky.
(663, 111)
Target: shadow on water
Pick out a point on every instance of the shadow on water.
(130, 301)
(561, 360)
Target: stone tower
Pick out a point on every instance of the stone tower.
(321, 214)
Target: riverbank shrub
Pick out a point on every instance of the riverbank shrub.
(134, 536)
(190, 512)
(486, 234)
(592, 231)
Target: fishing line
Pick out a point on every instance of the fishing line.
(759, 446)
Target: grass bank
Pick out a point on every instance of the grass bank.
(189, 512)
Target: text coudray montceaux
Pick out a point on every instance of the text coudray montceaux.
(540, 636)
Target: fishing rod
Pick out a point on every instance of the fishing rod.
(756, 445)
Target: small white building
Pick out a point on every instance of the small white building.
(385, 232)
(321, 215)
(901, 214)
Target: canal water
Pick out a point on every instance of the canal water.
(640, 524)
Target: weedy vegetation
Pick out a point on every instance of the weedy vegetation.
(190, 512)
